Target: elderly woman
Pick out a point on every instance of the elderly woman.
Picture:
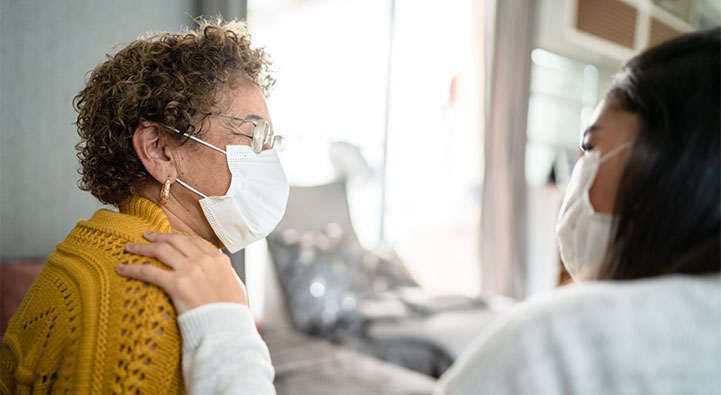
(175, 133)
(641, 213)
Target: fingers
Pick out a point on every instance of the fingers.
(174, 250)
(163, 252)
(183, 244)
(148, 273)
(203, 276)
(206, 247)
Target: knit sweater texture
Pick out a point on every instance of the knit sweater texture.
(83, 329)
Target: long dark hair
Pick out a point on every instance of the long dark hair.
(668, 206)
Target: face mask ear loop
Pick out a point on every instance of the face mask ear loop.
(615, 151)
(190, 188)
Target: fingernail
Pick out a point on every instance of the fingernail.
(129, 246)
(120, 268)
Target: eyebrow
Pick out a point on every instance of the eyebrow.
(590, 130)
(243, 118)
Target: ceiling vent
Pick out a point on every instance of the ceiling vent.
(661, 32)
(611, 20)
(621, 28)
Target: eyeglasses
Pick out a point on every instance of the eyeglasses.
(261, 137)
(262, 133)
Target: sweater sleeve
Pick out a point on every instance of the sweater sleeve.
(223, 352)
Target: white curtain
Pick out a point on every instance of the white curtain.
(503, 224)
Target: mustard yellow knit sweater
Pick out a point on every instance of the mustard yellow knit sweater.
(82, 329)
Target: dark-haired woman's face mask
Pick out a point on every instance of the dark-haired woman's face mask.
(584, 223)
(582, 232)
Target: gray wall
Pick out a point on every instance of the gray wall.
(46, 49)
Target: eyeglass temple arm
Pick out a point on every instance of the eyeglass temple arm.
(190, 136)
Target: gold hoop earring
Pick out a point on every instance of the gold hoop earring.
(165, 192)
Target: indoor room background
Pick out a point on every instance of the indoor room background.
(453, 125)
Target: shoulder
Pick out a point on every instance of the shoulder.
(551, 341)
(111, 307)
(109, 231)
(669, 310)
(656, 298)
(95, 247)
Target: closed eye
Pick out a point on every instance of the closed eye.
(587, 136)
(586, 147)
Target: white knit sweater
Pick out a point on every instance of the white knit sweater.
(657, 336)
(223, 352)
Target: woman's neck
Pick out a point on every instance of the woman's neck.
(185, 218)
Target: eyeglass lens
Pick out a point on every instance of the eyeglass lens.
(263, 136)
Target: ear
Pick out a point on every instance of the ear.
(154, 149)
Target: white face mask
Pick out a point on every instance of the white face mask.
(255, 201)
(583, 234)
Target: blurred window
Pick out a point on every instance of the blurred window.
(331, 61)
(435, 156)
(563, 95)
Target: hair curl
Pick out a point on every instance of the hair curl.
(169, 78)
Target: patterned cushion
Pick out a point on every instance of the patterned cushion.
(327, 277)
